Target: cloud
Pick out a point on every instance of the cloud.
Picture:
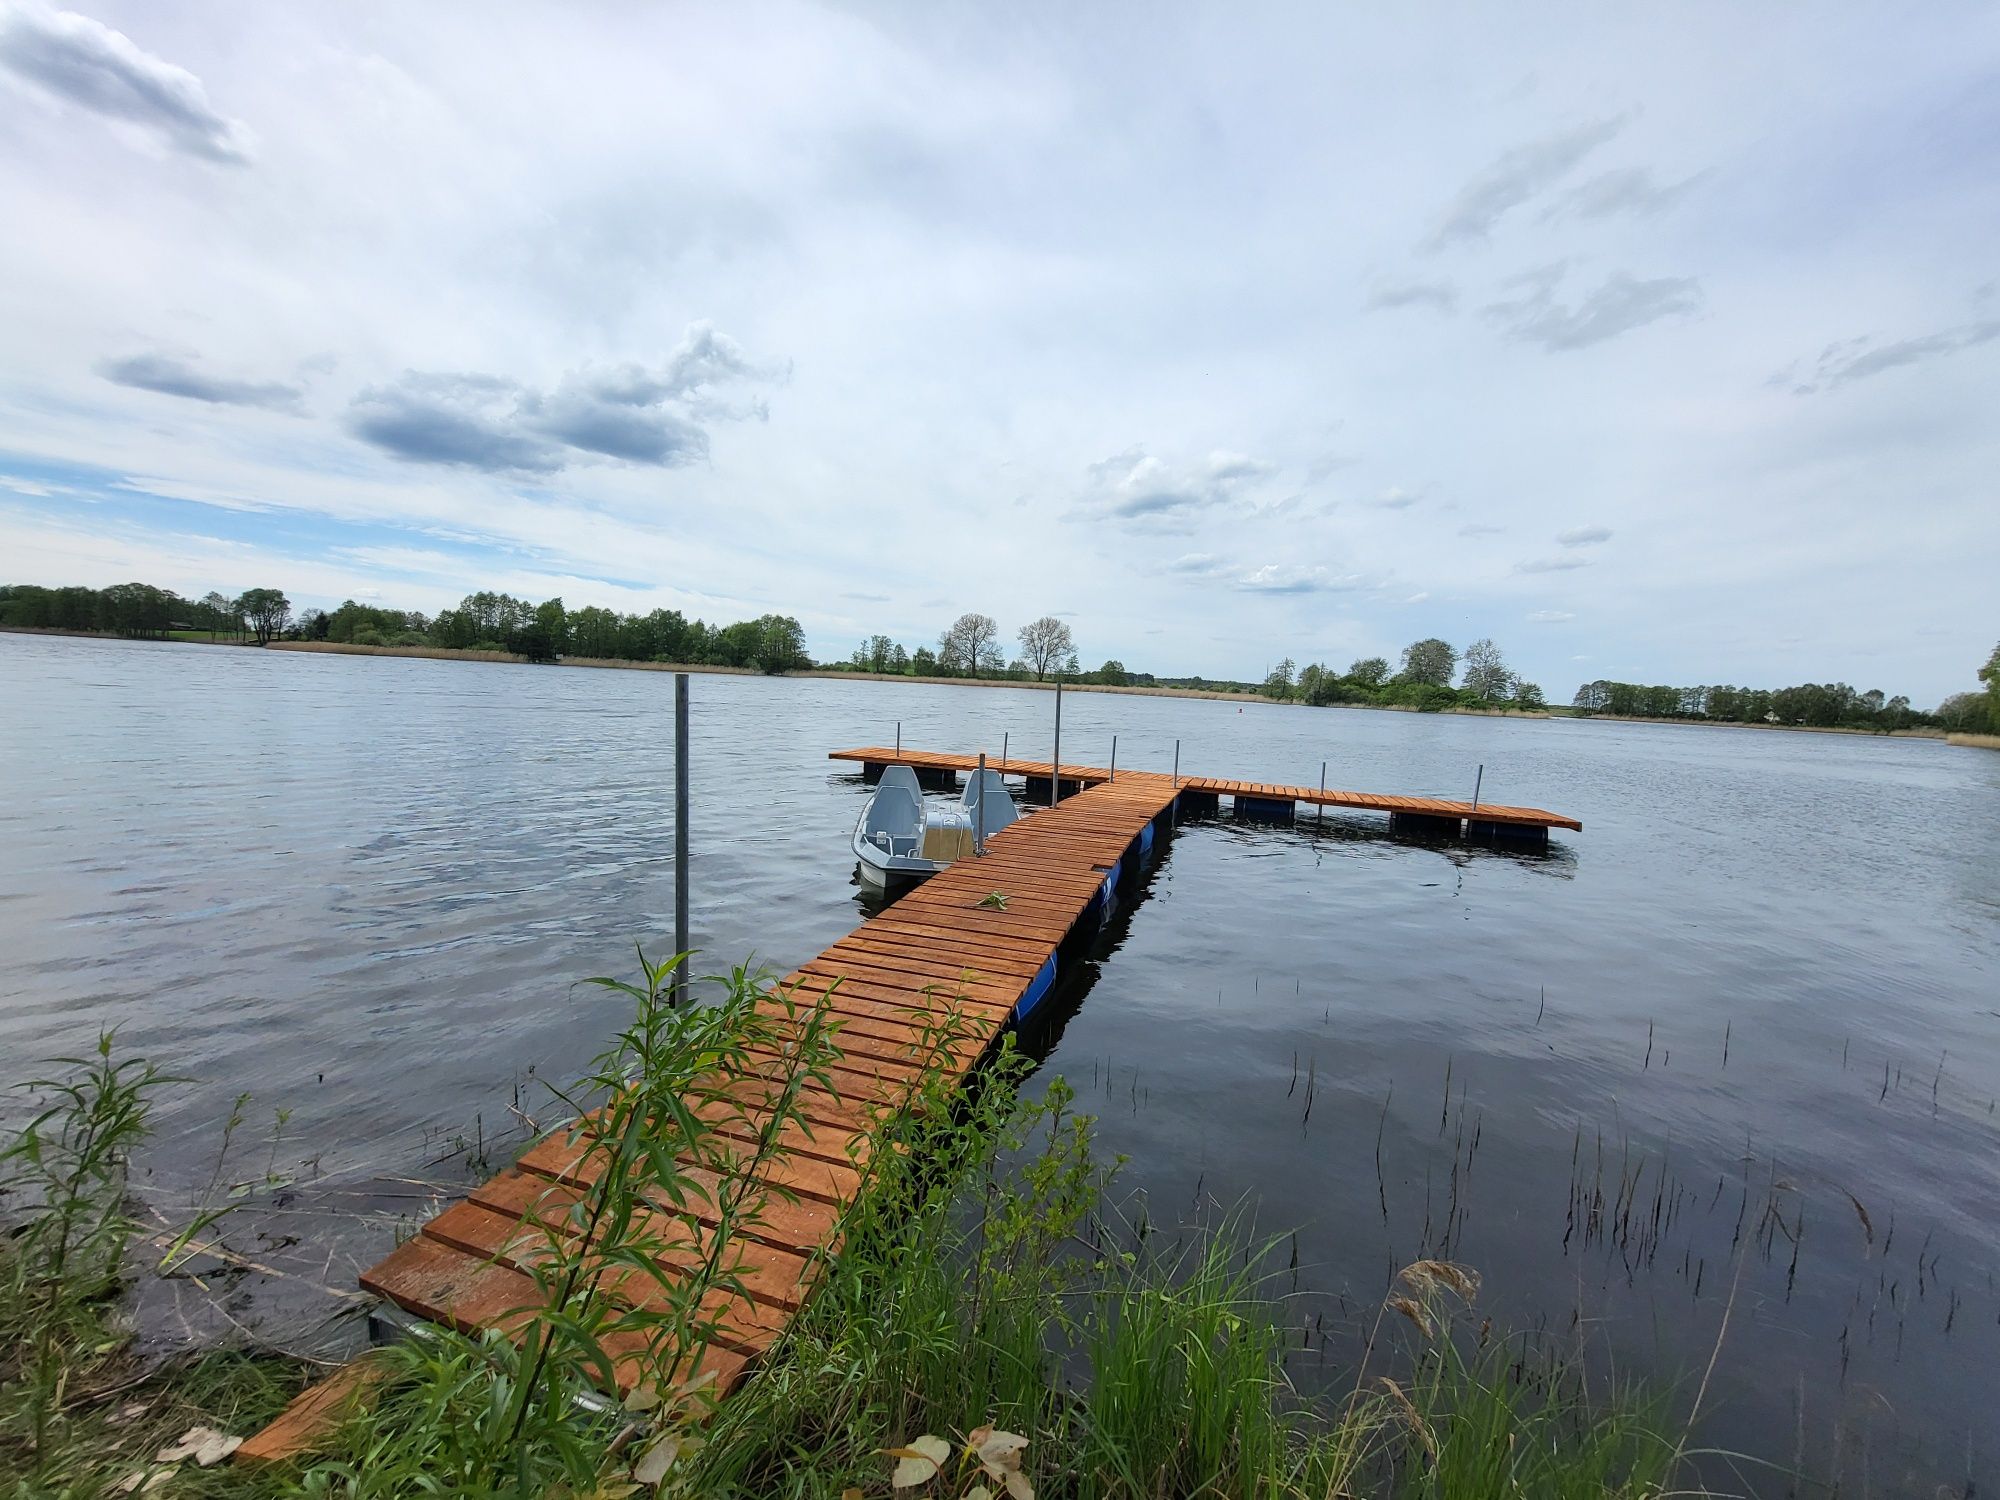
(1198, 565)
(1441, 295)
(1480, 528)
(1620, 305)
(1285, 578)
(628, 413)
(1550, 617)
(1135, 486)
(1396, 498)
(1551, 564)
(1857, 359)
(168, 376)
(1584, 536)
(87, 63)
(1622, 190)
(1515, 177)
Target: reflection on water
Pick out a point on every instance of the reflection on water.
(1738, 1035)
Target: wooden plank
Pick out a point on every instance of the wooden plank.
(316, 1413)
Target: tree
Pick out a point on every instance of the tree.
(899, 660)
(971, 646)
(1486, 674)
(880, 650)
(1113, 674)
(219, 614)
(1990, 675)
(1429, 661)
(268, 611)
(1370, 671)
(553, 622)
(780, 645)
(924, 662)
(1046, 643)
(1528, 695)
(1279, 683)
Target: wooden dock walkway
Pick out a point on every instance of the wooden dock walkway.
(946, 952)
(1415, 814)
(943, 949)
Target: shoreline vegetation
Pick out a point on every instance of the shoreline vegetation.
(1432, 677)
(1047, 1343)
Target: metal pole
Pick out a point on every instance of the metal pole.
(979, 811)
(1114, 757)
(1055, 764)
(899, 739)
(680, 991)
(1477, 781)
(1319, 816)
(1003, 748)
(1177, 765)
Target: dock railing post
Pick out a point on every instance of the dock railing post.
(899, 739)
(1177, 765)
(1055, 761)
(979, 811)
(1003, 750)
(1477, 782)
(1114, 757)
(1319, 813)
(680, 986)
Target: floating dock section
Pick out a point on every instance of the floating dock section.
(978, 946)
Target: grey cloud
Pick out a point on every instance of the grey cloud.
(1198, 565)
(1551, 564)
(87, 63)
(1441, 295)
(629, 413)
(1620, 305)
(1622, 190)
(1396, 498)
(1134, 486)
(1584, 536)
(471, 421)
(1515, 177)
(1550, 617)
(1857, 359)
(175, 377)
(1480, 528)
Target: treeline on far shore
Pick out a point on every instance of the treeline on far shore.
(1814, 705)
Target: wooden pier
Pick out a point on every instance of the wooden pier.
(949, 950)
(1429, 815)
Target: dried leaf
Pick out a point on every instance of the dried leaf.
(995, 1447)
(643, 1397)
(1415, 1312)
(977, 1492)
(919, 1462)
(1017, 1485)
(204, 1445)
(656, 1460)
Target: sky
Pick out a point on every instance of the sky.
(1660, 345)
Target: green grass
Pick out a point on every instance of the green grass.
(987, 1293)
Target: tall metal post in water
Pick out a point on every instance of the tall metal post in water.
(681, 835)
(979, 810)
(1177, 765)
(1114, 757)
(1319, 813)
(1055, 760)
(1477, 782)
(1003, 747)
(899, 737)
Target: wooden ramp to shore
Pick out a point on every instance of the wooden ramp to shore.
(947, 958)
(893, 982)
(1414, 814)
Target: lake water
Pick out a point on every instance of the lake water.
(1753, 1003)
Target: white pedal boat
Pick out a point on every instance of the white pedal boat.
(901, 838)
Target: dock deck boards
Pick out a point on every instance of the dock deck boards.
(937, 956)
(1215, 786)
